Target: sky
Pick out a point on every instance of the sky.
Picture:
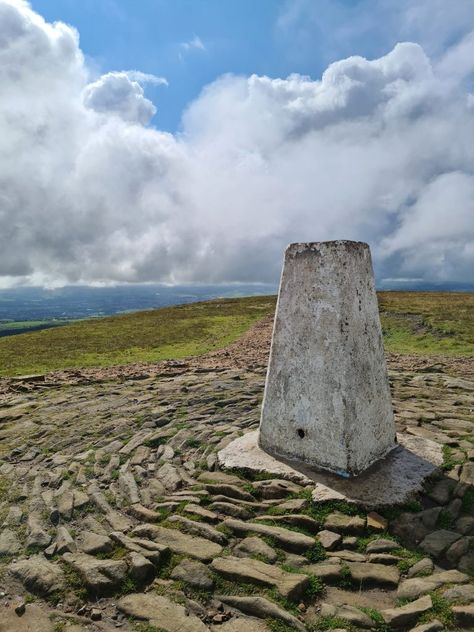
(192, 140)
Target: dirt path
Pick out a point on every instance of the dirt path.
(250, 352)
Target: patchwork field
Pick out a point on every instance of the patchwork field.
(116, 515)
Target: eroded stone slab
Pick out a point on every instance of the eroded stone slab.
(38, 575)
(417, 586)
(262, 608)
(347, 613)
(34, 619)
(368, 574)
(292, 541)
(394, 480)
(181, 543)
(407, 614)
(100, 576)
(160, 612)
(289, 585)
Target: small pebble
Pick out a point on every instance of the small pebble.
(20, 608)
(96, 614)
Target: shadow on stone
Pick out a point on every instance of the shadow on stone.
(391, 481)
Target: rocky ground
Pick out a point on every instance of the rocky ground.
(115, 515)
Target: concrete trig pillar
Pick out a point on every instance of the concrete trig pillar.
(327, 399)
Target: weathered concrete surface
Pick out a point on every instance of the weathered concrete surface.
(327, 398)
(394, 480)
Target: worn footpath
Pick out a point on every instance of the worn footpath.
(114, 513)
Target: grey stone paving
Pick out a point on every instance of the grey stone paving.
(107, 487)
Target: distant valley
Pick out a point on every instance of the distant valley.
(32, 308)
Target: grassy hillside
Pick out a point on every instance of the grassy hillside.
(413, 322)
(148, 336)
(435, 323)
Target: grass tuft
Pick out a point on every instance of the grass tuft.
(441, 610)
(316, 553)
(449, 461)
(332, 623)
(345, 577)
(316, 587)
(378, 619)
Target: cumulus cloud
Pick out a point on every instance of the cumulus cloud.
(116, 93)
(378, 150)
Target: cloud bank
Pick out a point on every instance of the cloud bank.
(379, 150)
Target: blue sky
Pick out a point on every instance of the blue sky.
(266, 37)
(149, 35)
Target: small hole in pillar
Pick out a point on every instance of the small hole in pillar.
(301, 433)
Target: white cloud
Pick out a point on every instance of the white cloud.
(376, 150)
(116, 93)
(121, 93)
(145, 77)
(194, 44)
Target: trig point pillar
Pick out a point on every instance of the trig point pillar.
(327, 400)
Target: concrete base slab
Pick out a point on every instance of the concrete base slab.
(391, 481)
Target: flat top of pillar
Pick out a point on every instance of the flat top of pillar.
(317, 246)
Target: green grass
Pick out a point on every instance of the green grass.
(321, 510)
(148, 336)
(445, 520)
(147, 627)
(332, 623)
(193, 443)
(378, 619)
(74, 583)
(432, 323)
(128, 586)
(279, 626)
(408, 559)
(5, 488)
(448, 459)
(316, 587)
(441, 610)
(468, 501)
(429, 323)
(345, 577)
(316, 553)
(6, 325)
